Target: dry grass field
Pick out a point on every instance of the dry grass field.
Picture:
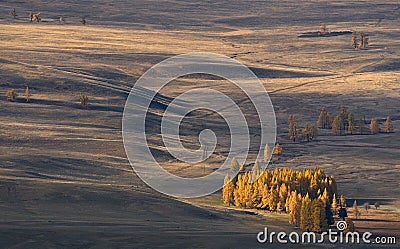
(65, 181)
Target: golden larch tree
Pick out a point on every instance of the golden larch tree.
(374, 126)
(388, 125)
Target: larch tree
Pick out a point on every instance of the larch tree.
(361, 126)
(355, 209)
(342, 201)
(323, 119)
(264, 197)
(27, 95)
(266, 153)
(293, 128)
(227, 191)
(294, 208)
(256, 171)
(351, 127)
(363, 40)
(273, 198)
(279, 207)
(11, 95)
(388, 125)
(319, 216)
(14, 13)
(310, 132)
(84, 100)
(366, 206)
(374, 126)
(306, 217)
(343, 118)
(336, 126)
(278, 150)
(354, 40)
(234, 165)
(334, 204)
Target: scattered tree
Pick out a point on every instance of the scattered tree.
(343, 119)
(363, 40)
(388, 125)
(234, 165)
(84, 100)
(310, 132)
(361, 126)
(377, 205)
(293, 128)
(354, 40)
(351, 127)
(31, 16)
(11, 95)
(366, 206)
(83, 20)
(355, 209)
(334, 205)
(374, 126)
(323, 119)
(256, 170)
(27, 94)
(336, 126)
(14, 13)
(278, 150)
(323, 30)
(266, 153)
(342, 201)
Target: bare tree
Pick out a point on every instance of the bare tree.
(14, 13)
